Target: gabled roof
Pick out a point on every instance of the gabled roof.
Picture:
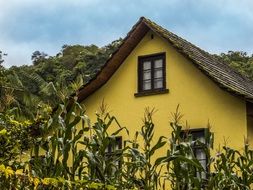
(218, 71)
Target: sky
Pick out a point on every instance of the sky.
(46, 25)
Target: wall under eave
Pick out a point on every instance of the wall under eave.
(250, 123)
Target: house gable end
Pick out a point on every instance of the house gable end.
(223, 75)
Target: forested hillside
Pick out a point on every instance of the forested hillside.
(240, 61)
(51, 78)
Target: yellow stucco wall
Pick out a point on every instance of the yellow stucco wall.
(200, 99)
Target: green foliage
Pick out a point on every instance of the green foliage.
(143, 168)
(14, 137)
(76, 153)
(239, 60)
(1, 57)
(67, 152)
(104, 166)
(38, 57)
(57, 138)
(232, 169)
(183, 168)
(18, 179)
(50, 78)
(5, 97)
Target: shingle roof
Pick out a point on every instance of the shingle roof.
(221, 73)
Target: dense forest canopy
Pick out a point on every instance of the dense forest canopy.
(239, 60)
(51, 78)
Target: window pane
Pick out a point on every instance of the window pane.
(146, 65)
(147, 85)
(114, 144)
(203, 174)
(158, 63)
(147, 75)
(200, 154)
(202, 139)
(117, 146)
(203, 163)
(107, 150)
(158, 73)
(158, 83)
(199, 151)
(200, 135)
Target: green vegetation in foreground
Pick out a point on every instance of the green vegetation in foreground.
(56, 162)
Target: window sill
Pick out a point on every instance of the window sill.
(152, 92)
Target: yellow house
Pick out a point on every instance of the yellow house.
(156, 68)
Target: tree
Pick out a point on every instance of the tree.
(239, 60)
(1, 57)
(5, 93)
(38, 57)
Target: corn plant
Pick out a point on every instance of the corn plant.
(74, 150)
(142, 169)
(56, 154)
(183, 168)
(69, 153)
(233, 169)
(104, 165)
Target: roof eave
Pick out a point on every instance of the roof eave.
(116, 59)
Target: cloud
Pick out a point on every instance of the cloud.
(28, 25)
(217, 26)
